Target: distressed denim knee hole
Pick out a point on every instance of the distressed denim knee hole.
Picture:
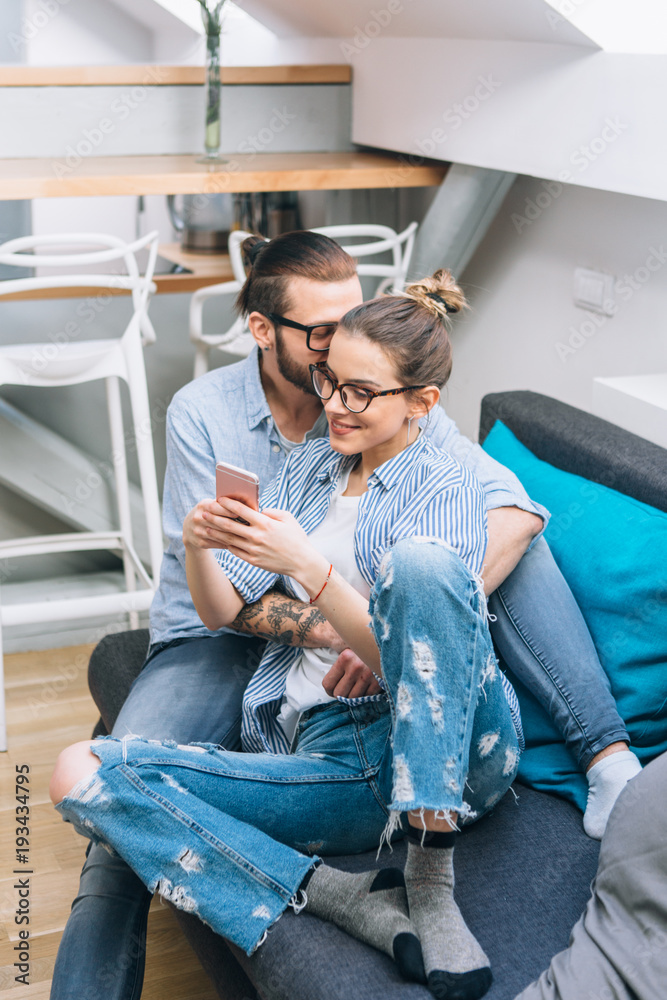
(423, 659)
(88, 789)
(178, 895)
(189, 861)
(511, 761)
(487, 743)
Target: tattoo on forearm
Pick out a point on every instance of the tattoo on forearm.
(311, 618)
(279, 618)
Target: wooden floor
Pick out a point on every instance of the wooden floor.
(49, 707)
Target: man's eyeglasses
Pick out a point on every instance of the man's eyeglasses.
(355, 398)
(318, 335)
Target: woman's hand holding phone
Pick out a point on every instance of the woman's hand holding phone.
(200, 527)
(206, 525)
(272, 539)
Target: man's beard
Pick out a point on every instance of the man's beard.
(295, 374)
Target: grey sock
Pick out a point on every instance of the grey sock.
(371, 906)
(456, 967)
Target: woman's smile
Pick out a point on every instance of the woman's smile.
(336, 427)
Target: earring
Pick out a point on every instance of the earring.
(267, 348)
(410, 419)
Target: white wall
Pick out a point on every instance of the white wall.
(559, 111)
(73, 123)
(83, 33)
(10, 25)
(524, 331)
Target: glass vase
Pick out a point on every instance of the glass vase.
(212, 135)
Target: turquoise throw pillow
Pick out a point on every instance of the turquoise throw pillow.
(612, 550)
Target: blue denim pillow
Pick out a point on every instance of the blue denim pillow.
(612, 550)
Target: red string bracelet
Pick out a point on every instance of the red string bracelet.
(313, 599)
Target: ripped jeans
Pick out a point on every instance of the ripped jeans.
(230, 836)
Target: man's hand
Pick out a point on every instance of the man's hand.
(511, 530)
(350, 678)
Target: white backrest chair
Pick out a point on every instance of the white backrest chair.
(237, 339)
(74, 362)
(376, 240)
(382, 239)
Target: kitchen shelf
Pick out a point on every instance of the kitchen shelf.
(135, 175)
(150, 75)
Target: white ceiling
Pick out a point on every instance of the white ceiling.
(630, 26)
(501, 20)
(164, 15)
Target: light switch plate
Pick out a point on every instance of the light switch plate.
(594, 291)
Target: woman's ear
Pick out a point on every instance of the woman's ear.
(425, 400)
(262, 330)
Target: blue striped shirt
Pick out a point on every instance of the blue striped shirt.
(420, 492)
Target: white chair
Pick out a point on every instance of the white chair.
(75, 362)
(238, 340)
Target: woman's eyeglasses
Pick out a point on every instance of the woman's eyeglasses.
(318, 336)
(355, 398)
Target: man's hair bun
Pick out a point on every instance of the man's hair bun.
(251, 248)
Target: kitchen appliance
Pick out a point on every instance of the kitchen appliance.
(206, 220)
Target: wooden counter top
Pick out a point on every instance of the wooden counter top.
(134, 175)
(148, 75)
(207, 269)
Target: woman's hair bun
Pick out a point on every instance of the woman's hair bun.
(440, 294)
(251, 248)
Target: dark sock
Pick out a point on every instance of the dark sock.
(456, 967)
(371, 906)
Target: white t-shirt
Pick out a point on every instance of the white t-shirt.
(321, 427)
(334, 538)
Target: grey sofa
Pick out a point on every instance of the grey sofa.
(523, 873)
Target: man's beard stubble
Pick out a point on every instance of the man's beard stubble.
(292, 372)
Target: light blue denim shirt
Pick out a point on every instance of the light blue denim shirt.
(224, 416)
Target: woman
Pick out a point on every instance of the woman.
(375, 513)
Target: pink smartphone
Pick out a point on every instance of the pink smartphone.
(237, 484)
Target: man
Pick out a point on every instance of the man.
(252, 414)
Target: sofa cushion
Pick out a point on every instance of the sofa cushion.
(611, 550)
(114, 663)
(522, 880)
